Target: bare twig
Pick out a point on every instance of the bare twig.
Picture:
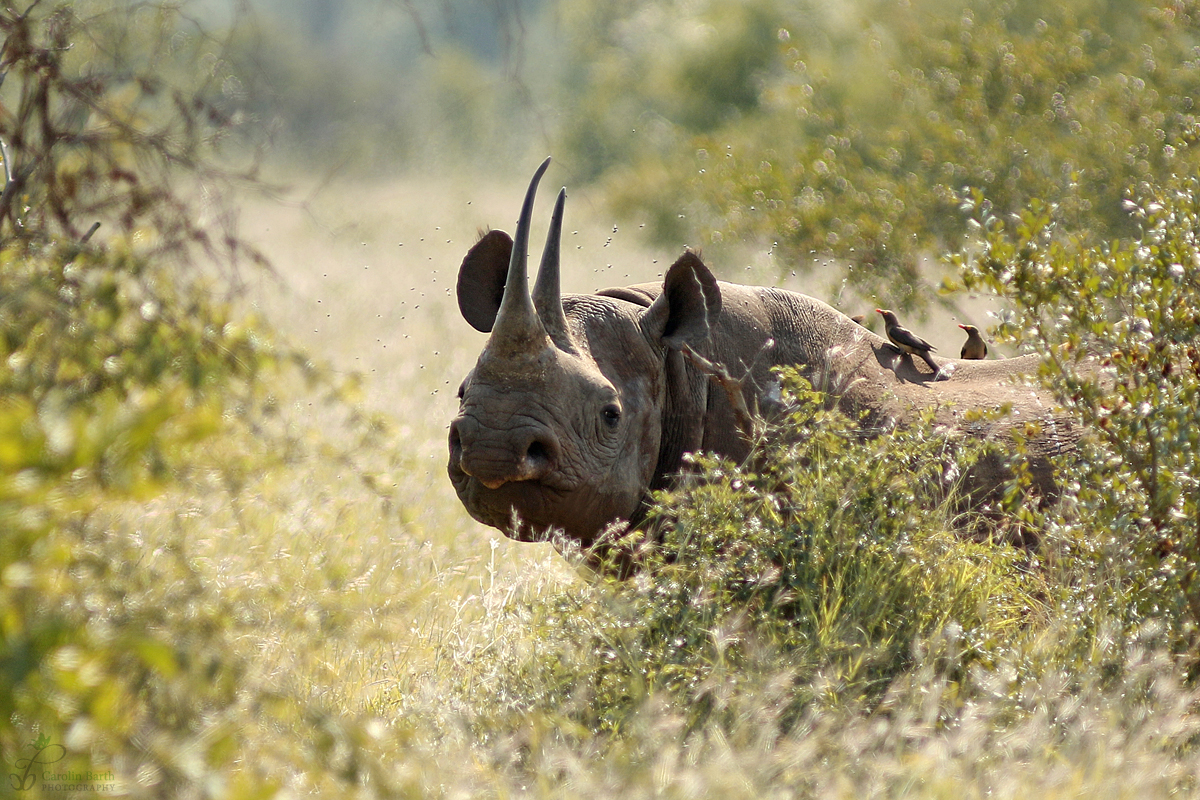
(4, 155)
(13, 185)
(733, 386)
(422, 34)
(767, 346)
(72, 153)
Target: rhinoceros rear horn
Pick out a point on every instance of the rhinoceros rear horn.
(547, 295)
(517, 326)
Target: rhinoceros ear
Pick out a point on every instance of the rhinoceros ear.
(481, 279)
(689, 304)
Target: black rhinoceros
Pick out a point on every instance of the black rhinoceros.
(581, 405)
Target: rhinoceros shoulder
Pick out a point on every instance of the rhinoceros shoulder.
(642, 294)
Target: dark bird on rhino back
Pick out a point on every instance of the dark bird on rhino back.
(580, 405)
(974, 347)
(907, 341)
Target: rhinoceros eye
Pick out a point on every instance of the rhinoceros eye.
(611, 414)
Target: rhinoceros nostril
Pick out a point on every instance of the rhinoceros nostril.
(540, 458)
(456, 446)
(538, 453)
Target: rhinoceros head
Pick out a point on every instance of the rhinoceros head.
(561, 423)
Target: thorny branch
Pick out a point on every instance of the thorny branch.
(92, 130)
(734, 387)
(419, 24)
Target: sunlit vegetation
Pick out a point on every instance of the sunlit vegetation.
(222, 576)
(856, 128)
(1118, 326)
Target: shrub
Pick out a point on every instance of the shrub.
(1117, 327)
(817, 573)
(833, 547)
(115, 366)
(869, 120)
(115, 116)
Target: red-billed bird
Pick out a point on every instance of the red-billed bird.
(974, 347)
(905, 340)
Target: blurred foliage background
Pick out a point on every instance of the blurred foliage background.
(221, 577)
(819, 131)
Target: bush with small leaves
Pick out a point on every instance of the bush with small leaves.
(869, 118)
(1119, 330)
(116, 366)
(827, 562)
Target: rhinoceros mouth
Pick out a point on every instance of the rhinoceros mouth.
(519, 508)
(534, 468)
(505, 488)
(527, 511)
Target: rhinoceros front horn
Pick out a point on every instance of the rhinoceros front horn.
(517, 328)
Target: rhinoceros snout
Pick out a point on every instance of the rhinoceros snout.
(495, 458)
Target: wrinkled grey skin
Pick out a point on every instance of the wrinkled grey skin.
(580, 405)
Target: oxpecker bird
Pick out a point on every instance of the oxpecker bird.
(907, 341)
(975, 347)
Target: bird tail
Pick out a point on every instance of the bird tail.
(932, 364)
